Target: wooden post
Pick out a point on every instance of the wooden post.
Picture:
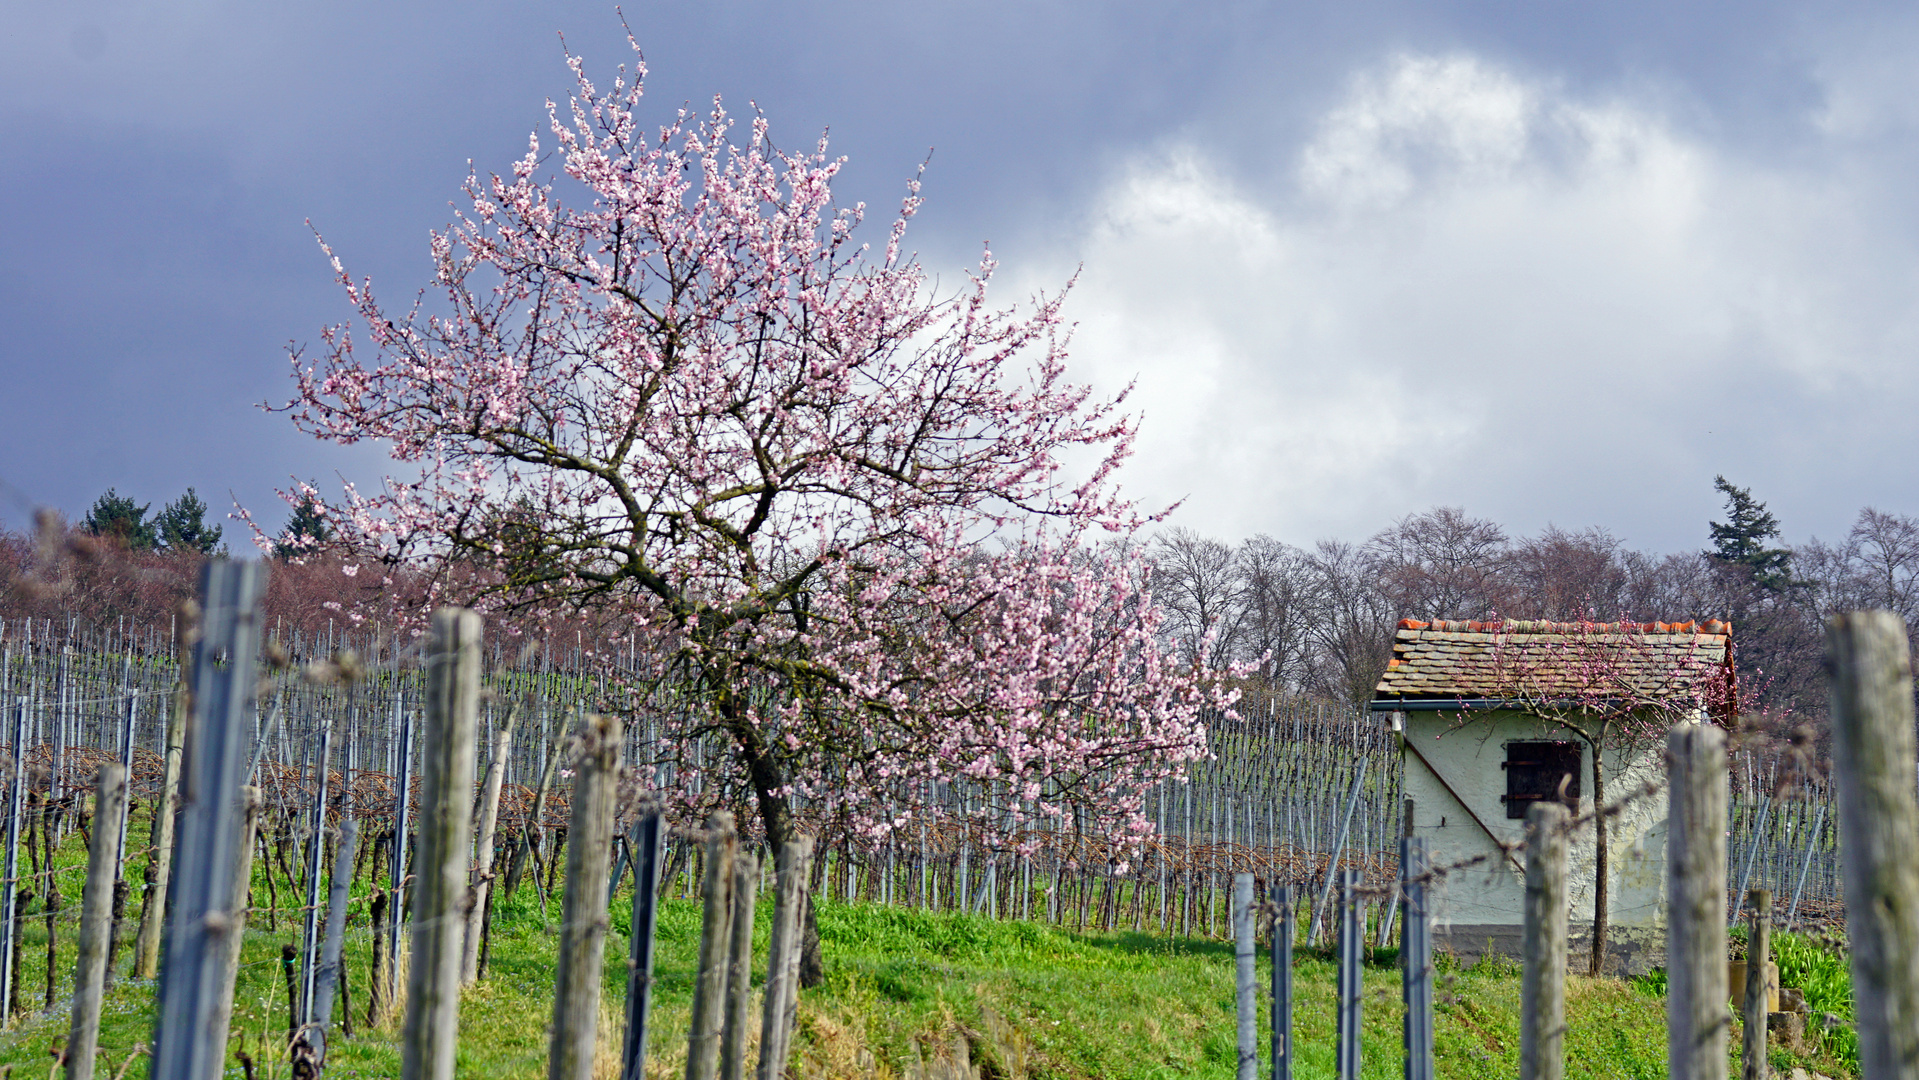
(482, 877)
(1758, 958)
(646, 908)
(1698, 1020)
(445, 828)
(96, 919)
(328, 972)
(794, 859)
(146, 947)
(237, 912)
(709, 988)
(1879, 834)
(583, 918)
(1245, 978)
(187, 1013)
(1542, 995)
(739, 968)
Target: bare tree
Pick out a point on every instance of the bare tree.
(1196, 581)
(1883, 550)
(1276, 611)
(1440, 564)
(1565, 575)
(1877, 566)
(1352, 627)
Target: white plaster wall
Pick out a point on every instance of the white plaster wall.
(1461, 817)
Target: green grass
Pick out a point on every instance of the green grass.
(1821, 969)
(1028, 1000)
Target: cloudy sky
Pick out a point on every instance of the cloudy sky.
(1548, 262)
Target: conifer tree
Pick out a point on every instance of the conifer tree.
(306, 530)
(1741, 539)
(119, 518)
(182, 526)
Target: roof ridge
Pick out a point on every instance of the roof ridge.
(1545, 626)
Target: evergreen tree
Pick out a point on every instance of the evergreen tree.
(1741, 539)
(183, 526)
(119, 518)
(306, 530)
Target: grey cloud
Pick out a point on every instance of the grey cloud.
(162, 162)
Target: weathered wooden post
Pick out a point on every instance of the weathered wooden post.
(326, 981)
(1416, 957)
(1245, 977)
(242, 878)
(1283, 921)
(446, 828)
(793, 860)
(1873, 753)
(146, 947)
(709, 989)
(739, 968)
(1698, 1019)
(1542, 995)
(482, 878)
(186, 1044)
(96, 920)
(583, 918)
(646, 907)
(1757, 1003)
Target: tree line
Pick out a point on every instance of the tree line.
(1313, 621)
(1319, 620)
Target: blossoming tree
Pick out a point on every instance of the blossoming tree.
(672, 385)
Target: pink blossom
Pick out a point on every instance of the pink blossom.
(828, 501)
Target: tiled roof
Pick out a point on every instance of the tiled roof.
(1526, 660)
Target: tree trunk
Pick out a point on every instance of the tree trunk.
(776, 813)
(812, 959)
(1601, 894)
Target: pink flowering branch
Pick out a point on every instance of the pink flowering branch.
(672, 384)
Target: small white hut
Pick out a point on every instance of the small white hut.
(1495, 716)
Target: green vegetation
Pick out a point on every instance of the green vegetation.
(181, 525)
(1820, 969)
(1028, 1000)
(306, 529)
(1740, 540)
(120, 518)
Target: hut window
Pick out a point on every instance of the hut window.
(1533, 772)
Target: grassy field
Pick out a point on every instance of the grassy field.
(1021, 1000)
